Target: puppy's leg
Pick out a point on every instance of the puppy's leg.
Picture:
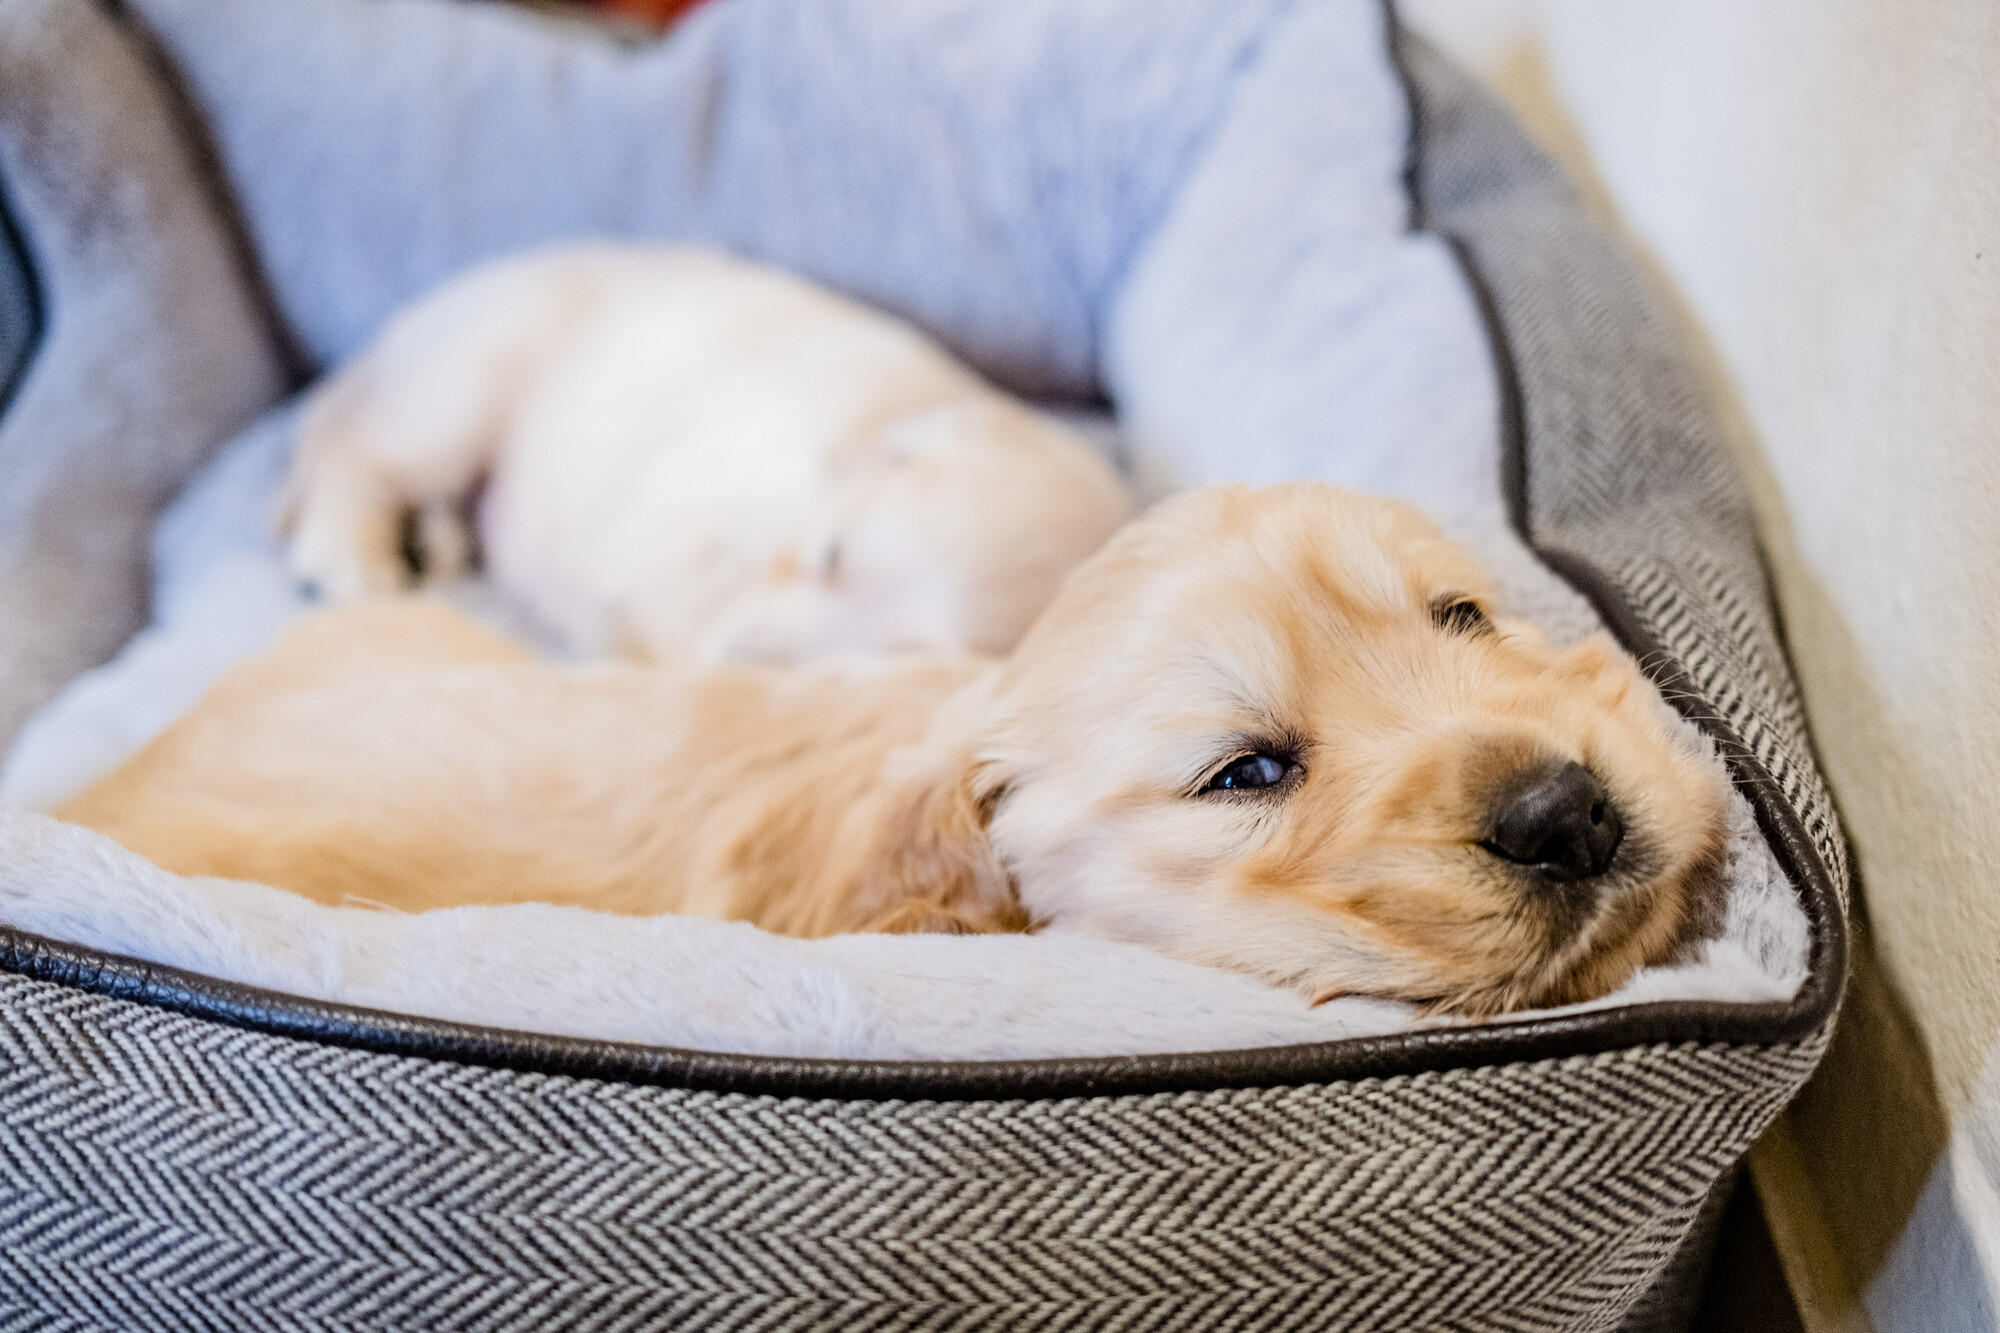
(344, 516)
(391, 447)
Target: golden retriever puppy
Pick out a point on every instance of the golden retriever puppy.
(681, 455)
(1280, 730)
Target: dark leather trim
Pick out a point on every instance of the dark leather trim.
(1493, 1043)
(394, 1034)
(19, 283)
(1513, 415)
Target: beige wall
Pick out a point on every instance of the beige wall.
(1819, 185)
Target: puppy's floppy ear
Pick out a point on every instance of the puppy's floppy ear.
(929, 865)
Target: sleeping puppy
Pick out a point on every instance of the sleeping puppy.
(1276, 730)
(680, 455)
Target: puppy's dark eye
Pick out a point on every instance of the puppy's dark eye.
(1250, 772)
(1459, 615)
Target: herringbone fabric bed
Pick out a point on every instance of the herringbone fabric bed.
(170, 1160)
(170, 1174)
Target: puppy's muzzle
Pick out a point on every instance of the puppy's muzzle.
(1557, 821)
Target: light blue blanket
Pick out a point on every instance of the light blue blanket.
(1196, 210)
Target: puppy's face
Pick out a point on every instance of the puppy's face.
(1283, 731)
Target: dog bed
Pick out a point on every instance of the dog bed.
(1168, 209)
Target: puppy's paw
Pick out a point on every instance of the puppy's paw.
(346, 546)
(437, 545)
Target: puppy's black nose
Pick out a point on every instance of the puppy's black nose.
(1557, 820)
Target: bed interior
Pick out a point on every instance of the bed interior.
(1251, 298)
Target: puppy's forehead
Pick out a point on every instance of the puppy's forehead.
(1234, 605)
(1233, 593)
(1358, 565)
(1317, 546)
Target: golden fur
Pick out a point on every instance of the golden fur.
(392, 753)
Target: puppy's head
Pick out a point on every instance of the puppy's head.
(944, 530)
(1284, 731)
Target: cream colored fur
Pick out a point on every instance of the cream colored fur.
(688, 456)
(392, 753)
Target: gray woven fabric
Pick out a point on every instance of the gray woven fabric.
(168, 1174)
(1672, 1301)
(159, 1171)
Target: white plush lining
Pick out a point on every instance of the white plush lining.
(221, 594)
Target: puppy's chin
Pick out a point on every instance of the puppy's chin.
(1647, 921)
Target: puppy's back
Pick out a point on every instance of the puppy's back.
(394, 754)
